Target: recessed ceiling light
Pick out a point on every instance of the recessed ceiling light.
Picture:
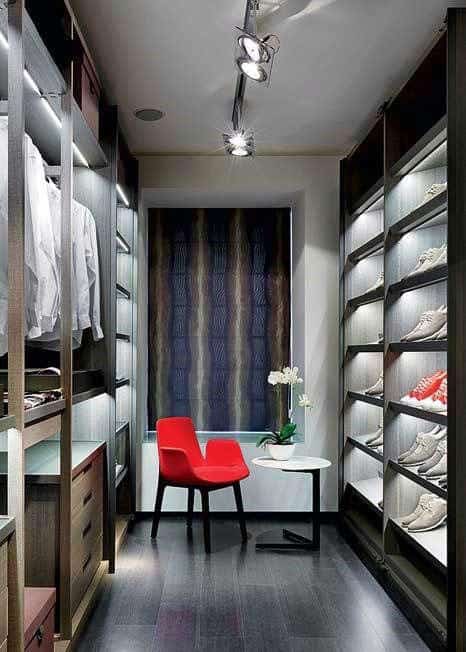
(149, 115)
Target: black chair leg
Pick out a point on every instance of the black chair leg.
(239, 507)
(206, 519)
(157, 509)
(190, 510)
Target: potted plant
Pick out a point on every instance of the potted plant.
(279, 443)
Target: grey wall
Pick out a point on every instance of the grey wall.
(310, 186)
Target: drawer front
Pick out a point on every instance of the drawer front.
(86, 530)
(90, 479)
(90, 101)
(3, 614)
(3, 566)
(43, 640)
(85, 575)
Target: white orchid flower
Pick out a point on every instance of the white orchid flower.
(304, 401)
(275, 378)
(291, 376)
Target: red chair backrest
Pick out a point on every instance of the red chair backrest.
(178, 432)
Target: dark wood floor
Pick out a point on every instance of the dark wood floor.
(171, 597)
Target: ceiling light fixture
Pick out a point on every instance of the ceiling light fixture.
(239, 143)
(149, 115)
(256, 54)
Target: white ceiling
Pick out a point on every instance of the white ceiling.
(339, 60)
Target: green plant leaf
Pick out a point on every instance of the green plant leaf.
(268, 439)
(288, 430)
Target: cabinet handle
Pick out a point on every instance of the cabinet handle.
(87, 498)
(87, 529)
(87, 468)
(39, 635)
(87, 562)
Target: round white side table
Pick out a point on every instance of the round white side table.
(312, 466)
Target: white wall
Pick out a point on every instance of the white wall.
(310, 186)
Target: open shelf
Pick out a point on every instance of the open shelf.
(80, 397)
(121, 427)
(410, 472)
(358, 442)
(122, 245)
(422, 149)
(43, 412)
(436, 275)
(367, 297)
(359, 396)
(370, 490)
(420, 215)
(419, 413)
(121, 475)
(353, 349)
(369, 198)
(433, 543)
(122, 291)
(368, 248)
(430, 345)
(123, 337)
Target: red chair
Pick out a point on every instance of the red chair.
(181, 464)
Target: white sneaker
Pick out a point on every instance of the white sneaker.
(429, 325)
(426, 260)
(442, 334)
(427, 447)
(442, 259)
(439, 470)
(434, 190)
(375, 443)
(377, 388)
(435, 430)
(378, 284)
(439, 453)
(424, 500)
(434, 514)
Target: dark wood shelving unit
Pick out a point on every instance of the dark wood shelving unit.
(368, 248)
(371, 400)
(419, 413)
(420, 215)
(370, 197)
(412, 347)
(427, 144)
(410, 473)
(436, 275)
(43, 412)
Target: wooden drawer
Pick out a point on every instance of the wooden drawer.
(43, 639)
(3, 614)
(86, 529)
(87, 91)
(3, 566)
(85, 575)
(87, 482)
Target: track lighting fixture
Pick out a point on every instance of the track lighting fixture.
(239, 143)
(255, 57)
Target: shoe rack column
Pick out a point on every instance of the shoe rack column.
(457, 328)
(16, 309)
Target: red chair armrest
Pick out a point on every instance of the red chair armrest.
(176, 467)
(224, 452)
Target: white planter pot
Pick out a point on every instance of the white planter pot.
(281, 452)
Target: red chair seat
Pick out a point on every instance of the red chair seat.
(221, 474)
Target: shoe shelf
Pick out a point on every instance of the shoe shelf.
(353, 349)
(368, 201)
(410, 472)
(370, 490)
(420, 215)
(370, 247)
(371, 400)
(367, 297)
(430, 277)
(122, 292)
(358, 441)
(7, 422)
(432, 543)
(420, 347)
(419, 413)
(417, 157)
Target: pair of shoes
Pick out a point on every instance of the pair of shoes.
(423, 447)
(376, 438)
(443, 482)
(430, 513)
(434, 190)
(436, 465)
(378, 284)
(430, 259)
(431, 326)
(430, 393)
(377, 388)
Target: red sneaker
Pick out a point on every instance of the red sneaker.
(438, 402)
(425, 388)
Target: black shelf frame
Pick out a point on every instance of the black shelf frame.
(121, 428)
(367, 297)
(122, 244)
(368, 248)
(365, 449)
(122, 382)
(430, 277)
(123, 337)
(436, 135)
(123, 292)
(412, 347)
(420, 215)
(371, 400)
(425, 415)
(368, 199)
(354, 349)
(417, 546)
(410, 473)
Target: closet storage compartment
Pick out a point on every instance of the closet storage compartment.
(39, 619)
(87, 89)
